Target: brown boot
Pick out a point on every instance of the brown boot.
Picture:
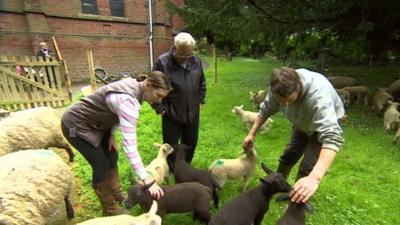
(105, 195)
(116, 185)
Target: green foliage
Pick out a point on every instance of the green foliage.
(360, 188)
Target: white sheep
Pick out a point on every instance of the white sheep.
(34, 183)
(35, 128)
(257, 98)
(150, 218)
(230, 169)
(381, 98)
(248, 118)
(342, 81)
(344, 96)
(158, 168)
(391, 117)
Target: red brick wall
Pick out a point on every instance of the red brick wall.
(118, 44)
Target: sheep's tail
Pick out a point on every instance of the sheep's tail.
(69, 208)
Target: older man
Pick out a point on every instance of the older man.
(44, 51)
(312, 105)
(181, 108)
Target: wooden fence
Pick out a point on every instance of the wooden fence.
(30, 81)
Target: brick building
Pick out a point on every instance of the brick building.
(116, 30)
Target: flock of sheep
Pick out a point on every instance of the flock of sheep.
(34, 188)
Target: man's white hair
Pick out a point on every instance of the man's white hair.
(42, 43)
(184, 38)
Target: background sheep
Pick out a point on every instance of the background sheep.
(381, 99)
(392, 116)
(345, 96)
(394, 90)
(248, 118)
(342, 81)
(250, 206)
(230, 169)
(359, 93)
(36, 182)
(257, 98)
(178, 198)
(184, 172)
(158, 168)
(35, 128)
(149, 218)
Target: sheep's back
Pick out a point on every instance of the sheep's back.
(37, 180)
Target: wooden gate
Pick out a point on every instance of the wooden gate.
(30, 81)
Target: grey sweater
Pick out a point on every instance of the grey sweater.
(317, 109)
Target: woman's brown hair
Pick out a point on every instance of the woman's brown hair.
(159, 80)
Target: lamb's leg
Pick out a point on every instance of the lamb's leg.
(203, 215)
(69, 208)
(258, 219)
(396, 136)
(245, 182)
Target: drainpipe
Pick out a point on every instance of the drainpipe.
(150, 33)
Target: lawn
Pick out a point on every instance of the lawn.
(362, 186)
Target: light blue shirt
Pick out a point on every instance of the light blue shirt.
(317, 109)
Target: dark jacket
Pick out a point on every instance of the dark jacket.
(182, 104)
(90, 118)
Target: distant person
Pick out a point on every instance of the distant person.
(44, 51)
(314, 108)
(181, 108)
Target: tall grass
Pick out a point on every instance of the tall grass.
(362, 187)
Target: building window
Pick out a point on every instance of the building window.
(117, 8)
(89, 7)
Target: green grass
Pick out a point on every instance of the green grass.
(362, 187)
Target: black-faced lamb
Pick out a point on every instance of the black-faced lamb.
(257, 98)
(36, 181)
(391, 117)
(231, 169)
(248, 118)
(149, 218)
(184, 172)
(250, 206)
(179, 198)
(339, 82)
(36, 128)
(158, 168)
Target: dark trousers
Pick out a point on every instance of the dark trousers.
(176, 133)
(100, 159)
(301, 144)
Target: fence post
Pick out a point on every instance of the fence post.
(91, 70)
(214, 59)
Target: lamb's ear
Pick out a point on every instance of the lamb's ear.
(309, 207)
(251, 93)
(157, 145)
(147, 186)
(390, 102)
(241, 106)
(266, 168)
(262, 180)
(154, 208)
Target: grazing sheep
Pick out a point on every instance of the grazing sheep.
(295, 214)
(257, 98)
(339, 82)
(178, 198)
(158, 168)
(36, 182)
(249, 117)
(184, 172)
(230, 169)
(359, 93)
(35, 128)
(344, 96)
(394, 90)
(381, 99)
(150, 218)
(250, 206)
(392, 116)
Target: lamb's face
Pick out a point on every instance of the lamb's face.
(167, 148)
(277, 182)
(135, 193)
